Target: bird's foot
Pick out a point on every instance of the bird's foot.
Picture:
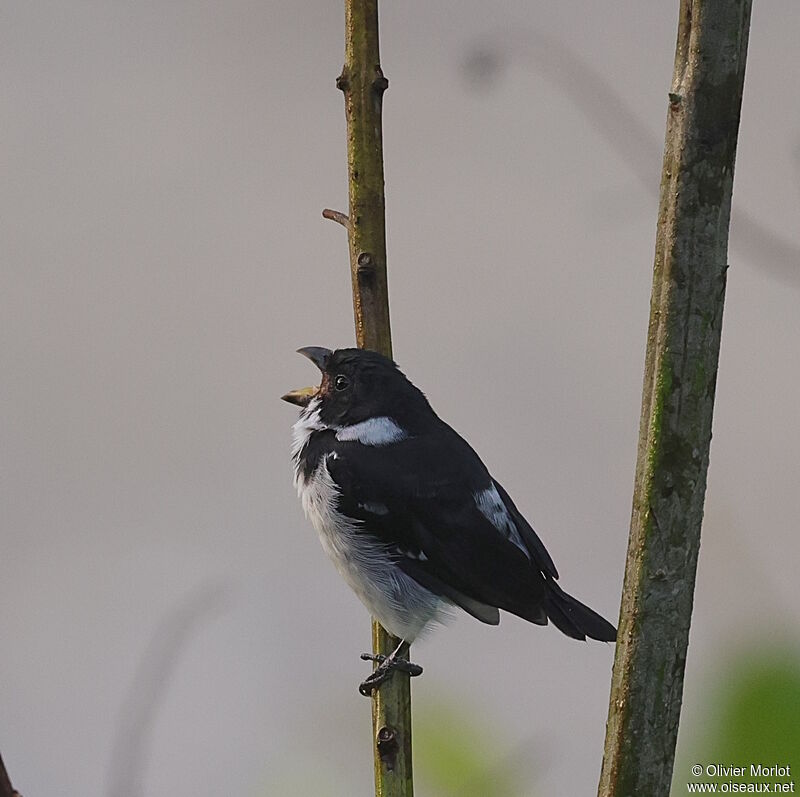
(383, 672)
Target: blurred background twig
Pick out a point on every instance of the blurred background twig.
(614, 118)
(133, 737)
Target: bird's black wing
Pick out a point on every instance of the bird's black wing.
(534, 545)
(430, 499)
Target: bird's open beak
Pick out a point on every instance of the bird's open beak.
(303, 395)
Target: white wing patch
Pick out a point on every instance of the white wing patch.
(493, 509)
(379, 431)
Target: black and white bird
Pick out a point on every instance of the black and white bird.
(409, 514)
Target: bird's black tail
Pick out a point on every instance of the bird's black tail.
(574, 619)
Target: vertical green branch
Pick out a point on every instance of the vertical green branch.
(363, 84)
(678, 397)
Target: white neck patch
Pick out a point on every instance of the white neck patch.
(379, 431)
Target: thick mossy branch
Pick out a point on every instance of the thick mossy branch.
(363, 84)
(678, 397)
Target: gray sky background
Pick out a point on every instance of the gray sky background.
(164, 606)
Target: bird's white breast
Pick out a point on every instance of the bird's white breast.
(401, 605)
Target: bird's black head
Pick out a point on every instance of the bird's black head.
(357, 385)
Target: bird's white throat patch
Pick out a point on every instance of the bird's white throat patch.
(308, 423)
(379, 431)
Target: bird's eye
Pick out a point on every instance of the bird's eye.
(341, 382)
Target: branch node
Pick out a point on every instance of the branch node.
(338, 217)
(381, 83)
(365, 261)
(387, 746)
(343, 81)
(365, 269)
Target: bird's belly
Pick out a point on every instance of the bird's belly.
(401, 605)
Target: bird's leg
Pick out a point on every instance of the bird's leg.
(386, 666)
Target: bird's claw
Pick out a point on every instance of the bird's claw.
(386, 666)
(404, 665)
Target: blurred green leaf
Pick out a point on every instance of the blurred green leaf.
(752, 716)
(758, 711)
(457, 755)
